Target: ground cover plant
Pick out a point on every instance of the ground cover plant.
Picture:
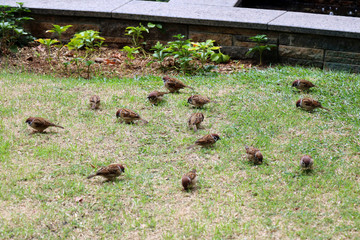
(44, 192)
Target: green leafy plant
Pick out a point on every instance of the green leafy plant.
(88, 39)
(185, 52)
(130, 51)
(137, 32)
(88, 64)
(59, 30)
(160, 53)
(261, 46)
(181, 50)
(48, 43)
(206, 50)
(12, 33)
(219, 57)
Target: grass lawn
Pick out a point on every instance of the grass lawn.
(42, 176)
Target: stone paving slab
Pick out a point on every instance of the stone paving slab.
(190, 14)
(225, 3)
(317, 24)
(216, 13)
(90, 8)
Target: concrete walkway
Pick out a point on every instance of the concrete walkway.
(204, 12)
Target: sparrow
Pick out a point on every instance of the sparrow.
(306, 162)
(302, 84)
(195, 120)
(40, 124)
(198, 100)
(155, 97)
(254, 155)
(173, 84)
(110, 172)
(95, 102)
(206, 141)
(189, 180)
(309, 104)
(128, 115)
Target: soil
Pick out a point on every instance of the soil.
(108, 62)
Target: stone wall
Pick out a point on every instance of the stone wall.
(292, 48)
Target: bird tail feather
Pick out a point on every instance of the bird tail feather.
(91, 176)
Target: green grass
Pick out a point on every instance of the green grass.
(42, 174)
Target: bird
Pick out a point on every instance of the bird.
(206, 141)
(155, 97)
(95, 102)
(309, 104)
(189, 180)
(254, 155)
(306, 162)
(195, 120)
(129, 115)
(302, 84)
(198, 100)
(173, 84)
(40, 124)
(110, 172)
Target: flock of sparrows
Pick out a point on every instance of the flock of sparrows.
(188, 180)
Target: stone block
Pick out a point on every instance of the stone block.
(301, 53)
(273, 38)
(115, 28)
(352, 58)
(226, 30)
(236, 52)
(167, 32)
(189, 14)
(227, 3)
(318, 41)
(245, 44)
(220, 39)
(98, 8)
(302, 62)
(317, 24)
(117, 41)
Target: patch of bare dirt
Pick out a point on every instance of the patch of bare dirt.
(108, 62)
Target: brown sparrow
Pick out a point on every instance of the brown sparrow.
(302, 84)
(309, 104)
(40, 124)
(173, 84)
(254, 155)
(195, 120)
(95, 102)
(306, 162)
(155, 97)
(206, 141)
(189, 180)
(198, 100)
(110, 172)
(128, 115)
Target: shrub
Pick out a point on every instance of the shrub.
(12, 33)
